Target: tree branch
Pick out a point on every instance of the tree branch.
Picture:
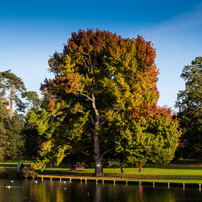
(107, 152)
(81, 93)
(86, 64)
(107, 129)
(106, 117)
(91, 118)
(90, 64)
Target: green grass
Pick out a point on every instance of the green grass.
(14, 163)
(192, 173)
(175, 174)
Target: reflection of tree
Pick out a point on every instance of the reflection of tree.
(132, 193)
(157, 194)
(140, 193)
(53, 191)
(98, 192)
(46, 191)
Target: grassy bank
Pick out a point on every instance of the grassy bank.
(151, 174)
(181, 171)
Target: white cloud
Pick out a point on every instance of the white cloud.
(179, 24)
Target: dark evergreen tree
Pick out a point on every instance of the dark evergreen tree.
(32, 140)
(14, 128)
(189, 102)
(33, 99)
(3, 131)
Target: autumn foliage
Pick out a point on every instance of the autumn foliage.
(105, 90)
(146, 112)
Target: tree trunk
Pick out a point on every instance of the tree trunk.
(98, 159)
(11, 103)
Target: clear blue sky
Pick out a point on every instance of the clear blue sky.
(31, 31)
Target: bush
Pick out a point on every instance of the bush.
(10, 173)
(29, 173)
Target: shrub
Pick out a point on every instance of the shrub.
(29, 173)
(10, 173)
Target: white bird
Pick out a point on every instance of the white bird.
(7, 186)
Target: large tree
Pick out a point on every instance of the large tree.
(100, 81)
(189, 102)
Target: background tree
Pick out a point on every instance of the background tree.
(15, 149)
(12, 125)
(33, 99)
(149, 136)
(11, 139)
(3, 120)
(14, 85)
(32, 140)
(3, 131)
(189, 102)
(100, 81)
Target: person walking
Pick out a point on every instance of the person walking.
(21, 166)
(122, 166)
(18, 166)
(140, 167)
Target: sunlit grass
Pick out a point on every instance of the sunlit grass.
(180, 173)
(14, 163)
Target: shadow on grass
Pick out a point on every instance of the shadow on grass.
(187, 161)
(181, 168)
(62, 172)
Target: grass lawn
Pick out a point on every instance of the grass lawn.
(182, 171)
(14, 163)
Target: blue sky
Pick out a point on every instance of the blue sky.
(31, 31)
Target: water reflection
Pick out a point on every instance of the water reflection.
(140, 193)
(56, 191)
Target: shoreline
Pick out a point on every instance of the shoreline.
(126, 181)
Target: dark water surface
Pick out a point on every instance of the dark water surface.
(56, 191)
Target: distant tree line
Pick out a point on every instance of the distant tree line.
(18, 138)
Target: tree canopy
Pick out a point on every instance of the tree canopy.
(189, 102)
(104, 98)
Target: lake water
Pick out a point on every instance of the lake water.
(56, 191)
